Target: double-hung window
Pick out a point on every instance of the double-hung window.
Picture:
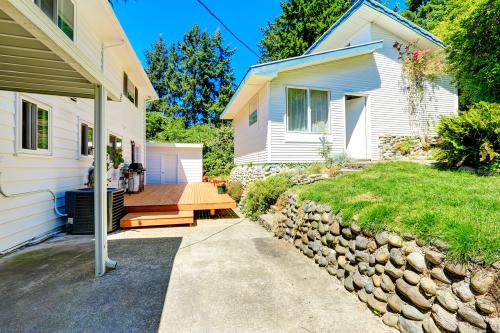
(61, 12)
(307, 110)
(86, 140)
(35, 127)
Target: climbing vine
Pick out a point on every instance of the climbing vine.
(421, 68)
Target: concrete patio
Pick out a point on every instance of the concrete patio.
(222, 276)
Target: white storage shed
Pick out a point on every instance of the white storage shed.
(174, 163)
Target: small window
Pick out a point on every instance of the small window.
(86, 140)
(66, 17)
(130, 90)
(252, 115)
(307, 110)
(35, 127)
(62, 12)
(115, 143)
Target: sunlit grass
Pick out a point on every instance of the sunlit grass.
(459, 208)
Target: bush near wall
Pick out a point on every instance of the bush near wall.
(263, 193)
(471, 138)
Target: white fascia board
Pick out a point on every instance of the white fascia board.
(173, 145)
(268, 71)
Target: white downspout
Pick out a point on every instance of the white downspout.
(100, 186)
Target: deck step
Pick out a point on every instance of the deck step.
(151, 219)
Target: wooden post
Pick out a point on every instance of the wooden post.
(212, 212)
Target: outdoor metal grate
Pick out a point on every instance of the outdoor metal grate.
(219, 214)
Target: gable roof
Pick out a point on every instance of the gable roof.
(259, 74)
(376, 6)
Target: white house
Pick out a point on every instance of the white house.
(347, 86)
(54, 54)
(174, 163)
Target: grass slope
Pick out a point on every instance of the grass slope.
(459, 208)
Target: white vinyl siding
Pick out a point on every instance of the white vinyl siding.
(29, 216)
(250, 142)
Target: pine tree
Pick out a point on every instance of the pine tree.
(193, 78)
(426, 13)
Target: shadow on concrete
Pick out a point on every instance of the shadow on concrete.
(53, 288)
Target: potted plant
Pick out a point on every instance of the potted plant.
(221, 185)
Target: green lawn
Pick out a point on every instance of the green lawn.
(459, 208)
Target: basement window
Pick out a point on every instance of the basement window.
(61, 12)
(34, 129)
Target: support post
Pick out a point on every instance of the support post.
(100, 182)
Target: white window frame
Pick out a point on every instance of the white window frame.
(19, 128)
(91, 125)
(309, 117)
(54, 19)
(253, 102)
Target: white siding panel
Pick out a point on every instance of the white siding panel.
(23, 218)
(250, 142)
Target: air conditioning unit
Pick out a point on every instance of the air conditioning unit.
(80, 210)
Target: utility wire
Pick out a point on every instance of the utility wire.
(226, 27)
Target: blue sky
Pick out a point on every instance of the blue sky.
(144, 20)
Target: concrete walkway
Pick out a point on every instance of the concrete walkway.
(220, 276)
(233, 276)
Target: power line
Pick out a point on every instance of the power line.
(226, 27)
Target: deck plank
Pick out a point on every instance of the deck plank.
(176, 197)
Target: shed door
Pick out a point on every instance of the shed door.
(169, 169)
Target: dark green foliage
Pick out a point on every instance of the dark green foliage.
(299, 25)
(263, 193)
(459, 208)
(217, 141)
(426, 13)
(474, 54)
(471, 138)
(193, 78)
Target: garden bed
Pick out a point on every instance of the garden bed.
(457, 208)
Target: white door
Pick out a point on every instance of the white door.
(355, 121)
(169, 169)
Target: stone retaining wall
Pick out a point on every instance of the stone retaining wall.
(401, 147)
(411, 286)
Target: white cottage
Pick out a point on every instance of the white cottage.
(54, 54)
(348, 85)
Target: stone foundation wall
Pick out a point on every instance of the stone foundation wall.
(248, 174)
(401, 147)
(411, 286)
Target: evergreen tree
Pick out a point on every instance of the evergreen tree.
(299, 25)
(426, 13)
(193, 78)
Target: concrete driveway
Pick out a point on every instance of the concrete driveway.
(220, 276)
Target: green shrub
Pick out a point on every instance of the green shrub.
(235, 190)
(263, 193)
(471, 138)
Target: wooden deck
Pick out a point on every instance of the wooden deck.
(181, 197)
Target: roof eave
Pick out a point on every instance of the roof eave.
(382, 9)
(271, 70)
